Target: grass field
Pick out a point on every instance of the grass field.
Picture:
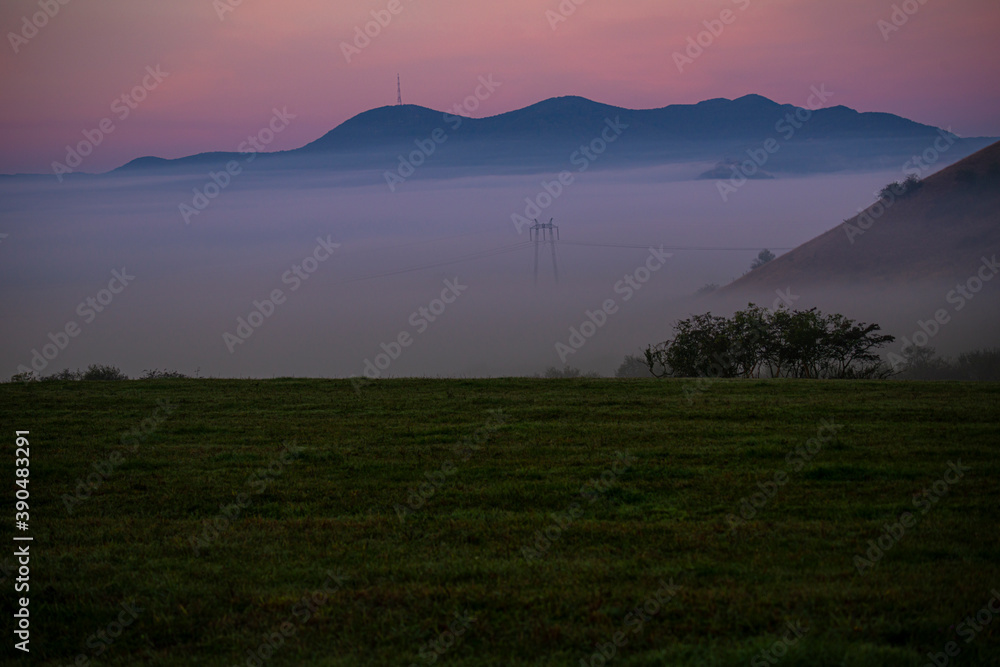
(508, 522)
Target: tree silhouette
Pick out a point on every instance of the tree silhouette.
(763, 257)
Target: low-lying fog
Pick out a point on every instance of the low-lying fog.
(193, 281)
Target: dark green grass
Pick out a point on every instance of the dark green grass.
(332, 508)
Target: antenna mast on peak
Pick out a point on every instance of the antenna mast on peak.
(399, 92)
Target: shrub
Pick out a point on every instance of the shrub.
(104, 373)
(922, 363)
(980, 365)
(553, 373)
(898, 190)
(759, 343)
(65, 375)
(157, 374)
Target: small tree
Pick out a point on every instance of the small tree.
(696, 349)
(900, 189)
(850, 349)
(763, 257)
(632, 367)
(922, 363)
(981, 365)
(656, 360)
(749, 332)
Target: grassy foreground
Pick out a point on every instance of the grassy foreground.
(507, 522)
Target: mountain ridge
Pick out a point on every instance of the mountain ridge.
(541, 135)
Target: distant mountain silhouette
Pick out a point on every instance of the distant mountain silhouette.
(578, 119)
(939, 231)
(543, 136)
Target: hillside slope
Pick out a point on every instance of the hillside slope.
(941, 230)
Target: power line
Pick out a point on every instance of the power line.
(437, 239)
(483, 254)
(493, 252)
(654, 245)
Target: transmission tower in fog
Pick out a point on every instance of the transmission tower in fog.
(547, 233)
(399, 92)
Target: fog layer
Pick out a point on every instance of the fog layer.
(171, 288)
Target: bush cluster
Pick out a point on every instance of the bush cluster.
(95, 372)
(757, 343)
(567, 372)
(922, 363)
(900, 189)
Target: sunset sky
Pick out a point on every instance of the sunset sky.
(223, 76)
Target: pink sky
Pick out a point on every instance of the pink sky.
(226, 75)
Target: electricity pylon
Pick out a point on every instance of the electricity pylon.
(548, 233)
